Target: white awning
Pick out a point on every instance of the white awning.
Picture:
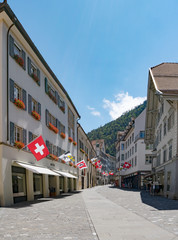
(36, 169)
(65, 174)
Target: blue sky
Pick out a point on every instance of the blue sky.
(101, 50)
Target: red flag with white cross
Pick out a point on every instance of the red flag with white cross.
(81, 164)
(127, 165)
(38, 148)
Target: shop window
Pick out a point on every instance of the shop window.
(37, 184)
(18, 184)
(168, 181)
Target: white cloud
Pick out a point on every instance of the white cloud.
(94, 112)
(122, 103)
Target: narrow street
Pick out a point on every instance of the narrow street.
(103, 213)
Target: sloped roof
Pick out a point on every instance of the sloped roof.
(166, 77)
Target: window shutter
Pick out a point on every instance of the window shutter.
(47, 145)
(58, 125)
(30, 137)
(11, 46)
(29, 104)
(11, 133)
(39, 109)
(29, 66)
(47, 118)
(24, 59)
(58, 151)
(56, 96)
(38, 75)
(24, 98)
(25, 138)
(11, 90)
(46, 85)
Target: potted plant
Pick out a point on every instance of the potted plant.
(19, 144)
(19, 103)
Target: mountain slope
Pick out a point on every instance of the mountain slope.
(108, 132)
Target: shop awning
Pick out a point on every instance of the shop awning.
(65, 174)
(35, 169)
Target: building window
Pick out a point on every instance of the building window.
(18, 183)
(164, 154)
(33, 71)
(171, 120)
(165, 126)
(122, 157)
(132, 150)
(148, 159)
(159, 158)
(135, 160)
(17, 92)
(52, 119)
(132, 137)
(160, 133)
(136, 147)
(18, 131)
(168, 181)
(122, 146)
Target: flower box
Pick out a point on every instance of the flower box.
(19, 144)
(19, 60)
(54, 157)
(70, 139)
(62, 135)
(88, 159)
(75, 143)
(34, 76)
(52, 97)
(62, 161)
(81, 150)
(71, 164)
(62, 109)
(53, 128)
(86, 154)
(19, 103)
(36, 115)
(75, 166)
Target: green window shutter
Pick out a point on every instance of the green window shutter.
(29, 66)
(24, 98)
(11, 46)
(38, 75)
(24, 59)
(25, 138)
(39, 109)
(47, 118)
(11, 133)
(47, 145)
(11, 90)
(46, 85)
(58, 125)
(29, 104)
(56, 96)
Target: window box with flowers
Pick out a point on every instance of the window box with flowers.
(36, 115)
(19, 103)
(71, 164)
(62, 161)
(88, 159)
(70, 139)
(53, 157)
(53, 128)
(62, 135)
(75, 143)
(19, 60)
(19, 144)
(75, 166)
(52, 97)
(62, 109)
(35, 77)
(86, 154)
(81, 150)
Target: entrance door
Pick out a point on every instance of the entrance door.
(37, 186)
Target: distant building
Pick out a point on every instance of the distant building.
(130, 148)
(161, 127)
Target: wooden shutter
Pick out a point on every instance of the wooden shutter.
(24, 98)
(58, 125)
(56, 96)
(11, 46)
(39, 109)
(29, 66)
(46, 85)
(29, 104)
(38, 75)
(11, 133)
(47, 145)
(11, 90)
(24, 59)
(47, 118)
(25, 138)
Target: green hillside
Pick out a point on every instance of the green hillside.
(109, 131)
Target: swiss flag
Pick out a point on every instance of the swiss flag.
(81, 164)
(127, 165)
(38, 148)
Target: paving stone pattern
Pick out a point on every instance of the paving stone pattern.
(158, 210)
(63, 218)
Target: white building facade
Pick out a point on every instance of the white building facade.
(131, 148)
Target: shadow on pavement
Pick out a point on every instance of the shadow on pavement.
(41, 200)
(158, 202)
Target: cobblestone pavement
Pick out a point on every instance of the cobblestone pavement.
(158, 210)
(63, 218)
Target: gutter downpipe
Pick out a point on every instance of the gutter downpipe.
(8, 78)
